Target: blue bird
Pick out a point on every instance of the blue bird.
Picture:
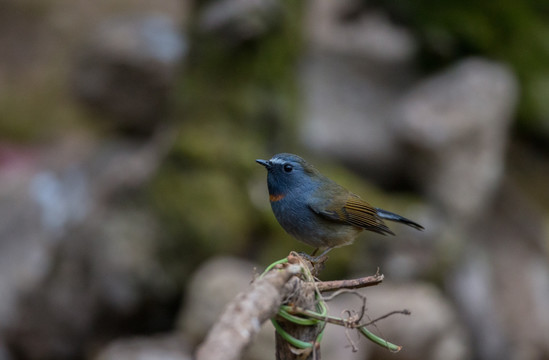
(316, 210)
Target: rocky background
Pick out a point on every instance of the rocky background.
(131, 208)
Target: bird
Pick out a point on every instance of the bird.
(316, 210)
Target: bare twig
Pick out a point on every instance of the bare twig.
(402, 312)
(324, 286)
(354, 348)
(344, 291)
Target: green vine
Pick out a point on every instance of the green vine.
(319, 317)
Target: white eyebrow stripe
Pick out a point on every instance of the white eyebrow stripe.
(277, 161)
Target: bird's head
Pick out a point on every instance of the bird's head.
(289, 172)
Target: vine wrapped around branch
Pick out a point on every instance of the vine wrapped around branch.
(278, 292)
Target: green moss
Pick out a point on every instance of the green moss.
(39, 112)
(208, 205)
(222, 145)
(252, 84)
(203, 211)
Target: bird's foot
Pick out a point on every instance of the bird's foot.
(316, 263)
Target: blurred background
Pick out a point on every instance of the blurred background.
(132, 211)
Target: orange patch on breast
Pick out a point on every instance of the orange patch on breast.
(275, 198)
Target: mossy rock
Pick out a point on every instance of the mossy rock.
(514, 32)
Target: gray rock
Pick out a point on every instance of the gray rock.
(502, 283)
(165, 347)
(128, 67)
(333, 26)
(39, 209)
(365, 107)
(211, 288)
(104, 267)
(432, 331)
(240, 20)
(67, 255)
(25, 239)
(346, 106)
(352, 75)
(455, 126)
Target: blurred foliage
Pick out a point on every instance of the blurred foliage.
(515, 32)
(35, 101)
(235, 102)
(38, 112)
(529, 167)
(202, 202)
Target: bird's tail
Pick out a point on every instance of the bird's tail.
(387, 215)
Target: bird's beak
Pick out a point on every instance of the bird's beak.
(265, 163)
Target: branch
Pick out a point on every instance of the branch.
(243, 317)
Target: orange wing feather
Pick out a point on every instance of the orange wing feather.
(359, 213)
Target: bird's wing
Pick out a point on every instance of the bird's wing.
(352, 211)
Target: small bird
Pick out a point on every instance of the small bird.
(316, 210)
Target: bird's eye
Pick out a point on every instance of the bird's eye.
(288, 168)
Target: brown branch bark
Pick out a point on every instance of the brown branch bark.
(243, 317)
